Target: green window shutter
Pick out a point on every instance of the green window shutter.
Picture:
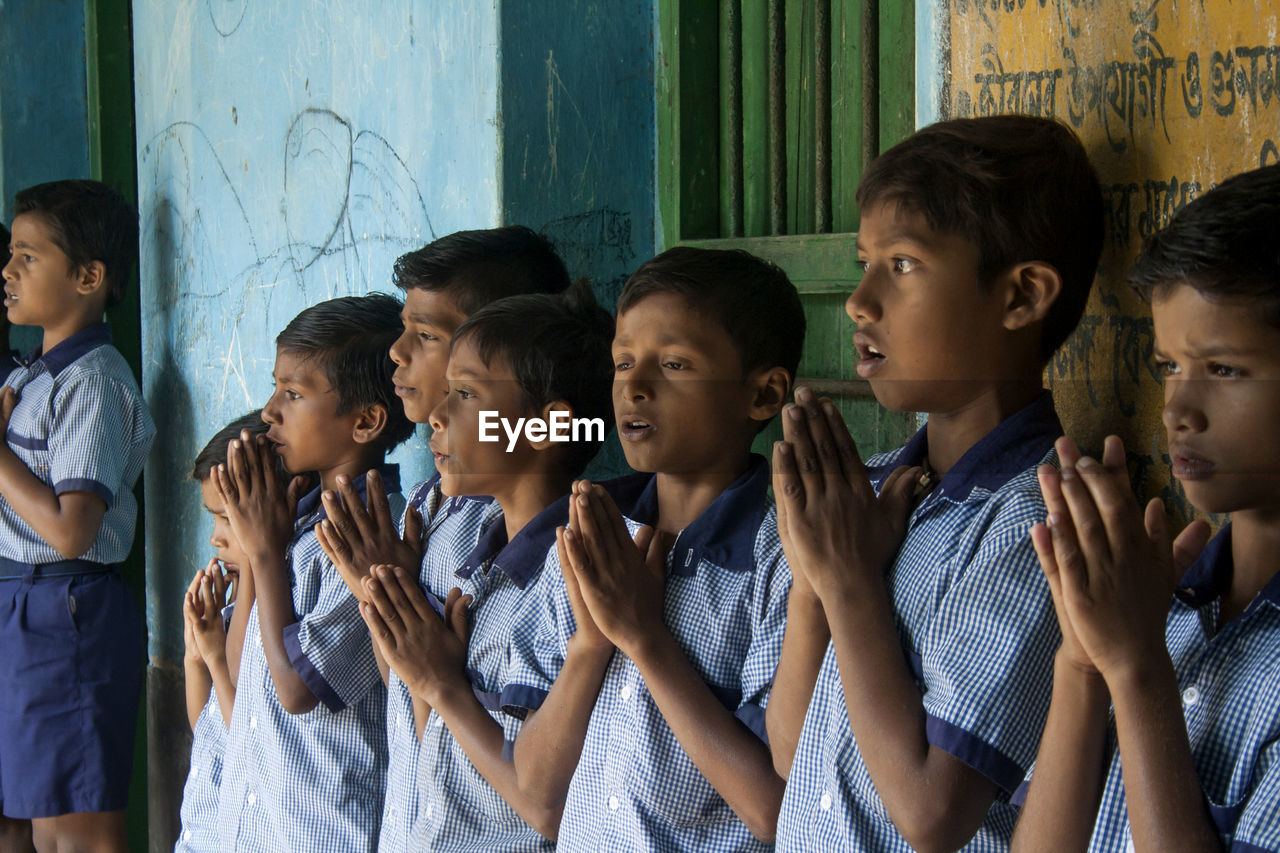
(768, 111)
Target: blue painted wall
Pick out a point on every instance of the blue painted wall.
(287, 153)
(44, 131)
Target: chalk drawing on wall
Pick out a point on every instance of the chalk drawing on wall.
(348, 207)
(226, 15)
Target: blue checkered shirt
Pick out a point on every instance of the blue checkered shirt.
(198, 832)
(1230, 684)
(453, 527)
(310, 781)
(977, 626)
(461, 811)
(635, 788)
(80, 425)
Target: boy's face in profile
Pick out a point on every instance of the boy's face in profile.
(468, 466)
(306, 428)
(1221, 367)
(680, 398)
(421, 352)
(925, 323)
(39, 283)
(229, 553)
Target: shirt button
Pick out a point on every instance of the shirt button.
(252, 798)
(625, 693)
(824, 802)
(253, 722)
(439, 720)
(1191, 696)
(392, 811)
(195, 770)
(613, 804)
(399, 720)
(186, 836)
(430, 809)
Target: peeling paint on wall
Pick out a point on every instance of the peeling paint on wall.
(1170, 98)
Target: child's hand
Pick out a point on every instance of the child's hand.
(1057, 536)
(190, 604)
(428, 653)
(8, 402)
(829, 515)
(569, 550)
(1117, 572)
(355, 538)
(203, 610)
(261, 516)
(621, 582)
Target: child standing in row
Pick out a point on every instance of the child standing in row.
(914, 678)
(297, 776)
(77, 434)
(644, 670)
(209, 661)
(1187, 757)
(443, 282)
(522, 357)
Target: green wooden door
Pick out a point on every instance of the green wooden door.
(767, 112)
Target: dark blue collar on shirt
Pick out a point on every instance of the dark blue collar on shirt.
(725, 533)
(523, 556)
(310, 503)
(1210, 575)
(56, 359)
(1018, 442)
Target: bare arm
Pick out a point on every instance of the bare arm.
(621, 583)
(196, 679)
(1117, 594)
(239, 622)
(804, 645)
(431, 657)
(356, 537)
(843, 537)
(69, 522)
(550, 744)
(262, 519)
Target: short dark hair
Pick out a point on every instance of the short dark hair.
(215, 452)
(350, 339)
(1223, 244)
(751, 298)
(5, 237)
(557, 346)
(88, 221)
(1019, 188)
(480, 266)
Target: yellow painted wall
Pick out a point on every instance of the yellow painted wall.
(1170, 97)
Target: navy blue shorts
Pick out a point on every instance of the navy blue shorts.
(71, 666)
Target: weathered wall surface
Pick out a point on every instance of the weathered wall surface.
(44, 132)
(1170, 98)
(289, 152)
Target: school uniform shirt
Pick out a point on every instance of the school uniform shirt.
(198, 830)
(310, 781)
(1230, 685)
(452, 529)
(80, 425)
(635, 787)
(977, 627)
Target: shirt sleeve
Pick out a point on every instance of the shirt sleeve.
(539, 644)
(986, 659)
(330, 646)
(1257, 829)
(93, 415)
(772, 587)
